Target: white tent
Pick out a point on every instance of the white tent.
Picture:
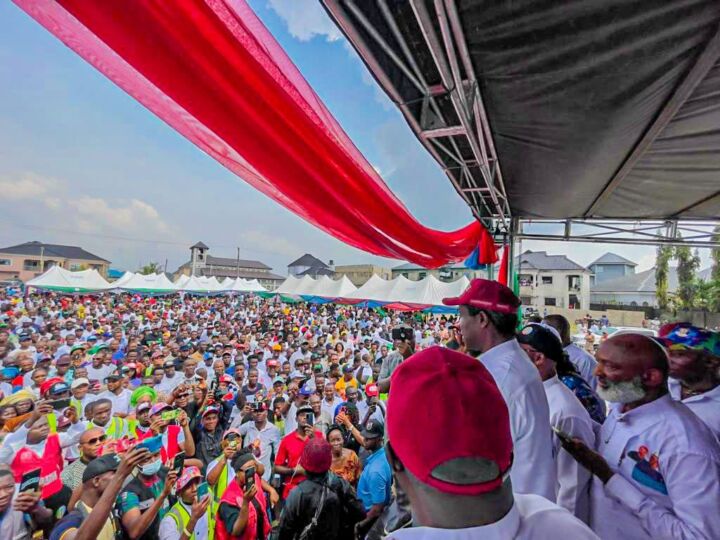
(61, 280)
(245, 285)
(181, 281)
(201, 285)
(322, 287)
(227, 283)
(118, 283)
(427, 291)
(288, 286)
(148, 284)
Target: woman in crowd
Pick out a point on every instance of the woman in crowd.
(345, 462)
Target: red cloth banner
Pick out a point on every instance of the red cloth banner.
(503, 271)
(212, 71)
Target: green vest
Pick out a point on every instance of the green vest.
(180, 515)
(219, 488)
(117, 428)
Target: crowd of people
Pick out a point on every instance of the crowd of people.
(238, 417)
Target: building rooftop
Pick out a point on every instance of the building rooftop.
(222, 273)
(642, 282)
(199, 245)
(242, 263)
(309, 260)
(612, 258)
(413, 266)
(540, 260)
(317, 271)
(35, 248)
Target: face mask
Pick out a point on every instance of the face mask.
(622, 392)
(151, 468)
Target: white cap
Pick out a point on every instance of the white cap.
(79, 382)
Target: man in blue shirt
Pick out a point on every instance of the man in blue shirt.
(375, 481)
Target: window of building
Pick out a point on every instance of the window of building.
(74, 267)
(5, 262)
(422, 275)
(547, 280)
(30, 265)
(633, 303)
(550, 301)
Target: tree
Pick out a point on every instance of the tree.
(688, 264)
(150, 268)
(706, 295)
(662, 264)
(715, 256)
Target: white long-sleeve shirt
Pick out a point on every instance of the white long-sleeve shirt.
(706, 406)
(667, 472)
(573, 480)
(533, 468)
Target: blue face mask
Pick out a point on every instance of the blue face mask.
(151, 468)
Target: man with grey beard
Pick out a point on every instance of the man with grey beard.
(657, 466)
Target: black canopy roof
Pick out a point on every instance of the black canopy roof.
(556, 109)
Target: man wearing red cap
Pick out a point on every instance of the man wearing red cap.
(457, 471)
(488, 319)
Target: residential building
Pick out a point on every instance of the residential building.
(636, 289)
(31, 259)
(552, 280)
(203, 264)
(610, 266)
(309, 265)
(358, 274)
(450, 272)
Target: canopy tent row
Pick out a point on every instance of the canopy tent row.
(399, 293)
(60, 280)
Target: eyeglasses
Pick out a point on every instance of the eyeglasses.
(96, 440)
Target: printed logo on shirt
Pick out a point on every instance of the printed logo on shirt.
(646, 471)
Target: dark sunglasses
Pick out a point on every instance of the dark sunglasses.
(101, 438)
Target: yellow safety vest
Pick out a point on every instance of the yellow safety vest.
(180, 515)
(219, 488)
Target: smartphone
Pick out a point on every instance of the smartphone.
(310, 419)
(152, 444)
(202, 490)
(564, 437)
(30, 481)
(249, 477)
(60, 404)
(179, 462)
(169, 416)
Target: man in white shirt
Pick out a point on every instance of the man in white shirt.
(695, 370)
(330, 400)
(567, 415)
(171, 380)
(457, 471)
(657, 466)
(118, 396)
(488, 318)
(583, 361)
(263, 431)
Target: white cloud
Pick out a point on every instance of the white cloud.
(258, 241)
(306, 19)
(26, 186)
(134, 216)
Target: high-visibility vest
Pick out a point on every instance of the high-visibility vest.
(219, 488)
(117, 428)
(180, 515)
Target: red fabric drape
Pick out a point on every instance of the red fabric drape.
(503, 271)
(211, 70)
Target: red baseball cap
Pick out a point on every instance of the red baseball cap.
(467, 447)
(486, 294)
(372, 390)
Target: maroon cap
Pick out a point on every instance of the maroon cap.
(486, 294)
(316, 456)
(466, 449)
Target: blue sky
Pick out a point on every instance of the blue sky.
(83, 163)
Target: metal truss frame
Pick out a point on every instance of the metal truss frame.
(476, 177)
(696, 234)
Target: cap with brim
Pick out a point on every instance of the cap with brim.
(679, 336)
(159, 407)
(188, 475)
(305, 391)
(210, 409)
(113, 377)
(91, 338)
(232, 431)
(101, 465)
(542, 340)
(297, 375)
(77, 348)
(468, 448)
(77, 383)
(307, 409)
(372, 390)
(144, 406)
(373, 429)
(278, 380)
(488, 295)
(169, 363)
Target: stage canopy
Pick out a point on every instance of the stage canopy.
(60, 280)
(151, 284)
(589, 109)
(211, 70)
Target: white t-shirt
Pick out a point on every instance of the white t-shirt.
(530, 518)
(120, 402)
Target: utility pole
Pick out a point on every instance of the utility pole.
(42, 259)
(237, 268)
(165, 269)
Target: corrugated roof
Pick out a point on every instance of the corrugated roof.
(308, 260)
(242, 263)
(52, 250)
(540, 260)
(220, 273)
(612, 258)
(642, 282)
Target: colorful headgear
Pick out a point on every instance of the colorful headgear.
(141, 391)
(683, 336)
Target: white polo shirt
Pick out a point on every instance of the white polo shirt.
(530, 518)
(533, 468)
(120, 402)
(706, 405)
(584, 362)
(667, 481)
(573, 480)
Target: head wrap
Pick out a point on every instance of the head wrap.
(141, 391)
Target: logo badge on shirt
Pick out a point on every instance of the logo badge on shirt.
(646, 471)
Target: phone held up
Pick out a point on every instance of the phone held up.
(249, 478)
